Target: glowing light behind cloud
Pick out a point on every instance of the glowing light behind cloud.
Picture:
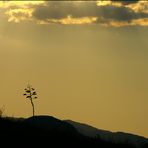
(24, 11)
(20, 4)
(70, 21)
(18, 15)
(103, 3)
(86, 12)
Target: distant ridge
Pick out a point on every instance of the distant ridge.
(116, 137)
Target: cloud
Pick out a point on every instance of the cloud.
(120, 13)
(55, 10)
(104, 13)
(70, 21)
(108, 13)
(126, 2)
(17, 15)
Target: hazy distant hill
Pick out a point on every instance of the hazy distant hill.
(47, 131)
(115, 137)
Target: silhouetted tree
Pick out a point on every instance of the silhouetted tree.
(30, 94)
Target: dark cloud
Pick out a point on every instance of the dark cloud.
(126, 2)
(120, 13)
(58, 10)
(51, 10)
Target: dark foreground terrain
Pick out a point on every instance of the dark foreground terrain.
(46, 131)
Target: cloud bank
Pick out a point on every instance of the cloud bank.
(107, 13)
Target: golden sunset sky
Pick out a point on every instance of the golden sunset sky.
(88, 61)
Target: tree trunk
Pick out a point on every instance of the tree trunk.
(32, 106)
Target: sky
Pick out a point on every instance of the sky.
(88, 61)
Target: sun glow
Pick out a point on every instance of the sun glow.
(103, 3)
(70, 21)
(18, 15)
(20, 4)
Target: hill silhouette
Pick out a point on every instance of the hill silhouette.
(47, 131)
(116, 137)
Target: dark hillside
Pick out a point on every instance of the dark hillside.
(46, 131)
